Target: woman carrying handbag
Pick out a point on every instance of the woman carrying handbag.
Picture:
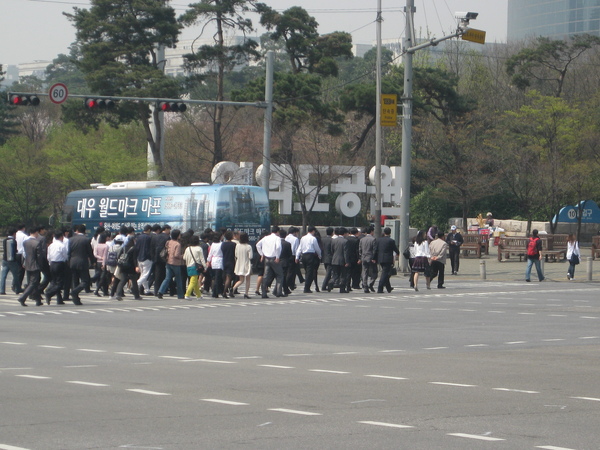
(573, 255)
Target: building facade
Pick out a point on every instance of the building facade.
(555, 19)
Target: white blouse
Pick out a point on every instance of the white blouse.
(422, 249)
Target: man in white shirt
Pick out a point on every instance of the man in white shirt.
(269, 248)
(310, 252)
(20, 238)
(294, 269)
(57, 257)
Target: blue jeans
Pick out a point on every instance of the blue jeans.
(173, 271)
(538, 268)
(13, 267)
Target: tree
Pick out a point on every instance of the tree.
(225, 15)
(548, 62)
(7, 122)
(119, 44)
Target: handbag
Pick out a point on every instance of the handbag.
(574, 259)
(406, 253)
(393, 271)
(199, 266)
(164, 254)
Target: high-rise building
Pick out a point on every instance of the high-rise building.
(555, 19)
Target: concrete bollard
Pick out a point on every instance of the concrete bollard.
(542, 266)
(589, 268)
(482, 271)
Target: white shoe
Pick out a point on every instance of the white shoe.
(199, 298)
(188, 298)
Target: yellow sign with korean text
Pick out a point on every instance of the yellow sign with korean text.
(389, 110)
(473, 35)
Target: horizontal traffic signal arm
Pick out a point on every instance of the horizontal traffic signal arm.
(155, 101)
(24, 99)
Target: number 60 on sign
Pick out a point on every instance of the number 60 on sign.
(58, 93)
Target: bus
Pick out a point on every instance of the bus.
(197, 207)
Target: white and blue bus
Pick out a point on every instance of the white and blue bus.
(197, 207)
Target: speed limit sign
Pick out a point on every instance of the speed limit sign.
(58, 93)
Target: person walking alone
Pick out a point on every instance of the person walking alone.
(573, 255)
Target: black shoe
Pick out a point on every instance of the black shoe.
(308, 291)
(528, 281)
(246, 296)
(366, 291)
(236, 292)
(317, 289)
(379, 292)
(159, 295)
(390, 290)
(441, 287)
(78, 303)
(142, 290)
(371, 287)
(257, 292)
(119, 298)
(39, 303)
(138, 298)
(47, 299)
(343, 291)
(60, 302)
(22, 302)
(225, 296)
(264, 296)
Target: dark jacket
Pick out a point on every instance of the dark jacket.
(327, 252)
(142, 246)
(383, 251)
(81, 253)
(353, 243)
(339, 247)
(157, 243)
(287, 256)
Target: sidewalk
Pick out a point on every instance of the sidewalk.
(512, 270)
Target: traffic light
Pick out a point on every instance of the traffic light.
(24, 100)
(99, 103)
(172, 106)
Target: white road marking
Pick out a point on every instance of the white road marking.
(50, 346)
(13, 343)
(345, 353)
(435, 348)
(475, 436)
(515, 390)
(587, 398)
(293, 411)
(275, 367)
(551, 447)
(588, 337)
(248, 357)
(79, 367)
(588, 317)
(452, 384)
(86, 383)
(386, 377)
(131, 354)
(384, 424)
(552, 340)
(15, 314)
(176, 357)
(10, 447)
(327, 371)
(142, 391)
(15, 368)
(92, 350)
(515, 342)
(391, 351)
(298, 354)
(224, 402)
(36, 377)
(209, 361)
(477, 345)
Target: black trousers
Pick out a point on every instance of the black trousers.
(33, 287)
(328, 275)
(384, 279)
(273, 270)
(339, 277)
(81, 281)
(57, 280)
(454, 257)
(437, 270)
(311, 262)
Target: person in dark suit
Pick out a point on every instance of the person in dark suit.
(340, 260)
(383, 254)
(353, 279)
(286, 260)
(31, 263)
(81, 256)
(327, 256)
(369, 269)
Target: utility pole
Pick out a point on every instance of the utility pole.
(378, 196)
(266, 169)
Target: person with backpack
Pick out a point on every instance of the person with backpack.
(534, 256)
(128, 269)
(573, 255)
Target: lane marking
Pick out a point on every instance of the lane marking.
(551, 447)
(14, 343)
(10, 447)
(552, 340)
(87, 383)
(386, 377)
(435, 348)
(131, 354)
(248, 357)
(391, 351)
(143, 391)
(298, 354)
(36, 377)
(16, 368)
(327, 371)
(452, 384)
(475, 436)
(275, 367)
(209, 361)
(175, 357)
(515, 342)
(224, 402)
(588, 337)
(477, 345)
(385, 424)
(515, 390)
(587, 398)
(50, 346)
(345, 353)
(293, 411)
(91, 350)
(80, 366)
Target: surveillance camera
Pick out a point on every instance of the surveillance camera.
(466, 15)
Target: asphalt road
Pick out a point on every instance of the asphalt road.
(496, 364)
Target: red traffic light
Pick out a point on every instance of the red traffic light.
(102, 103)
(172, 106)
(24, 100)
